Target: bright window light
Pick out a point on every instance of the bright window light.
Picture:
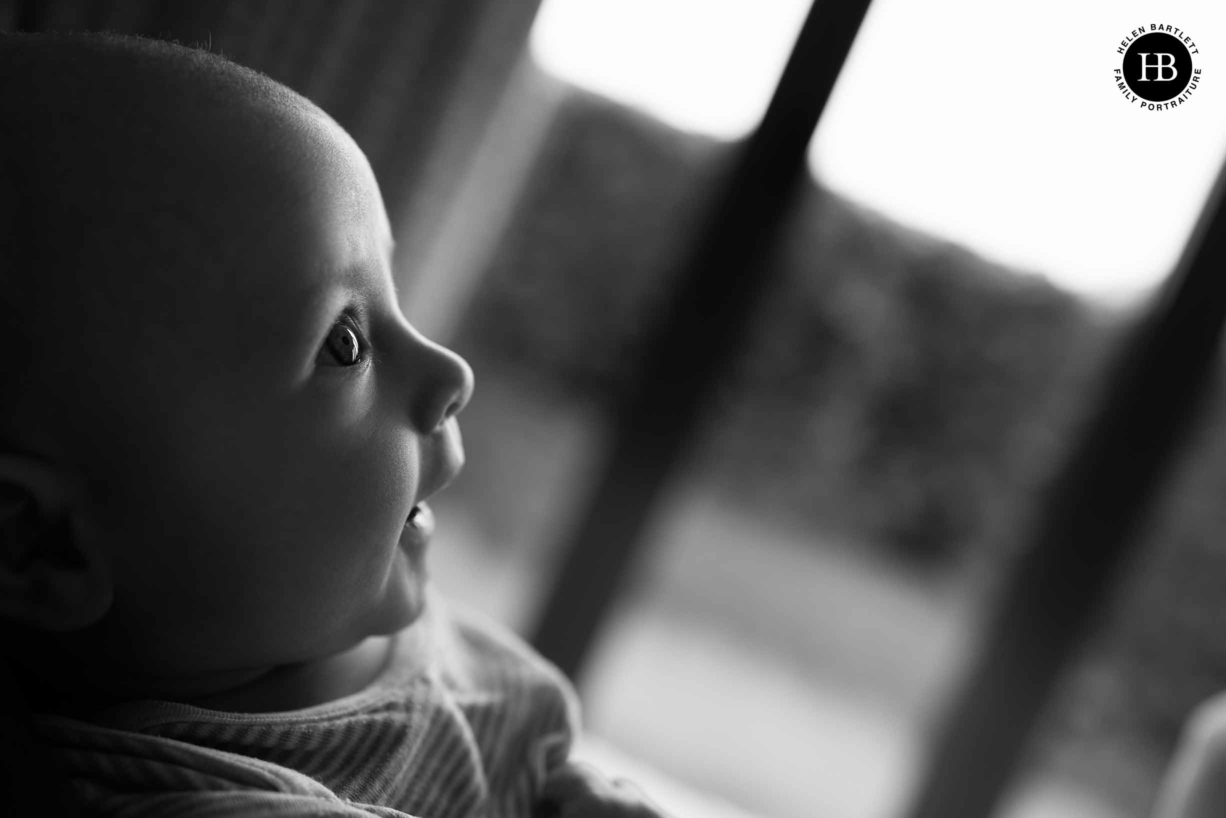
(700, 65)
(1003, 129)
(998, 127)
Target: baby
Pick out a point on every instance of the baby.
(218, 441)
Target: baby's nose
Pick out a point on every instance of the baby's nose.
(447, 388)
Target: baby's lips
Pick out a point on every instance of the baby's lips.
(443, 458)
(421, 518)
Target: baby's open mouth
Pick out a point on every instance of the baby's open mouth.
(418, 528)
(420, 517)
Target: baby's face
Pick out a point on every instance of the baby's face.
(267, 428)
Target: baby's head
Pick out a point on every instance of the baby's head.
(216, 421)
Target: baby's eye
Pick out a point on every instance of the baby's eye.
(342, 347)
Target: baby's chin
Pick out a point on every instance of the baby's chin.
(406, 594)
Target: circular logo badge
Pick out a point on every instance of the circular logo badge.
(1157, 70)
(1157, 67)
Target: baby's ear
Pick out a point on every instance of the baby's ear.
(50, 578)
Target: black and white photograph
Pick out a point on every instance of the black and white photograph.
(612, 409)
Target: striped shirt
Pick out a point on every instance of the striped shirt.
(465, 720)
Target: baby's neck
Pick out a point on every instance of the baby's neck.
(293, 687)
(279, 688)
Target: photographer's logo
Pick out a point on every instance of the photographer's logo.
(1157, 71)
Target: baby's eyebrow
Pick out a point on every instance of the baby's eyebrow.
(327, 297)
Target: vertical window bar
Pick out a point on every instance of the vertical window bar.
(706, 322)
(1086, 529)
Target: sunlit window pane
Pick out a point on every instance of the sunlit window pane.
(1000, 126)
(701, 65)
(997, 127)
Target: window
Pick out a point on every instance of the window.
(816, 580)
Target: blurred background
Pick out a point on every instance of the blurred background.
(983, 218)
